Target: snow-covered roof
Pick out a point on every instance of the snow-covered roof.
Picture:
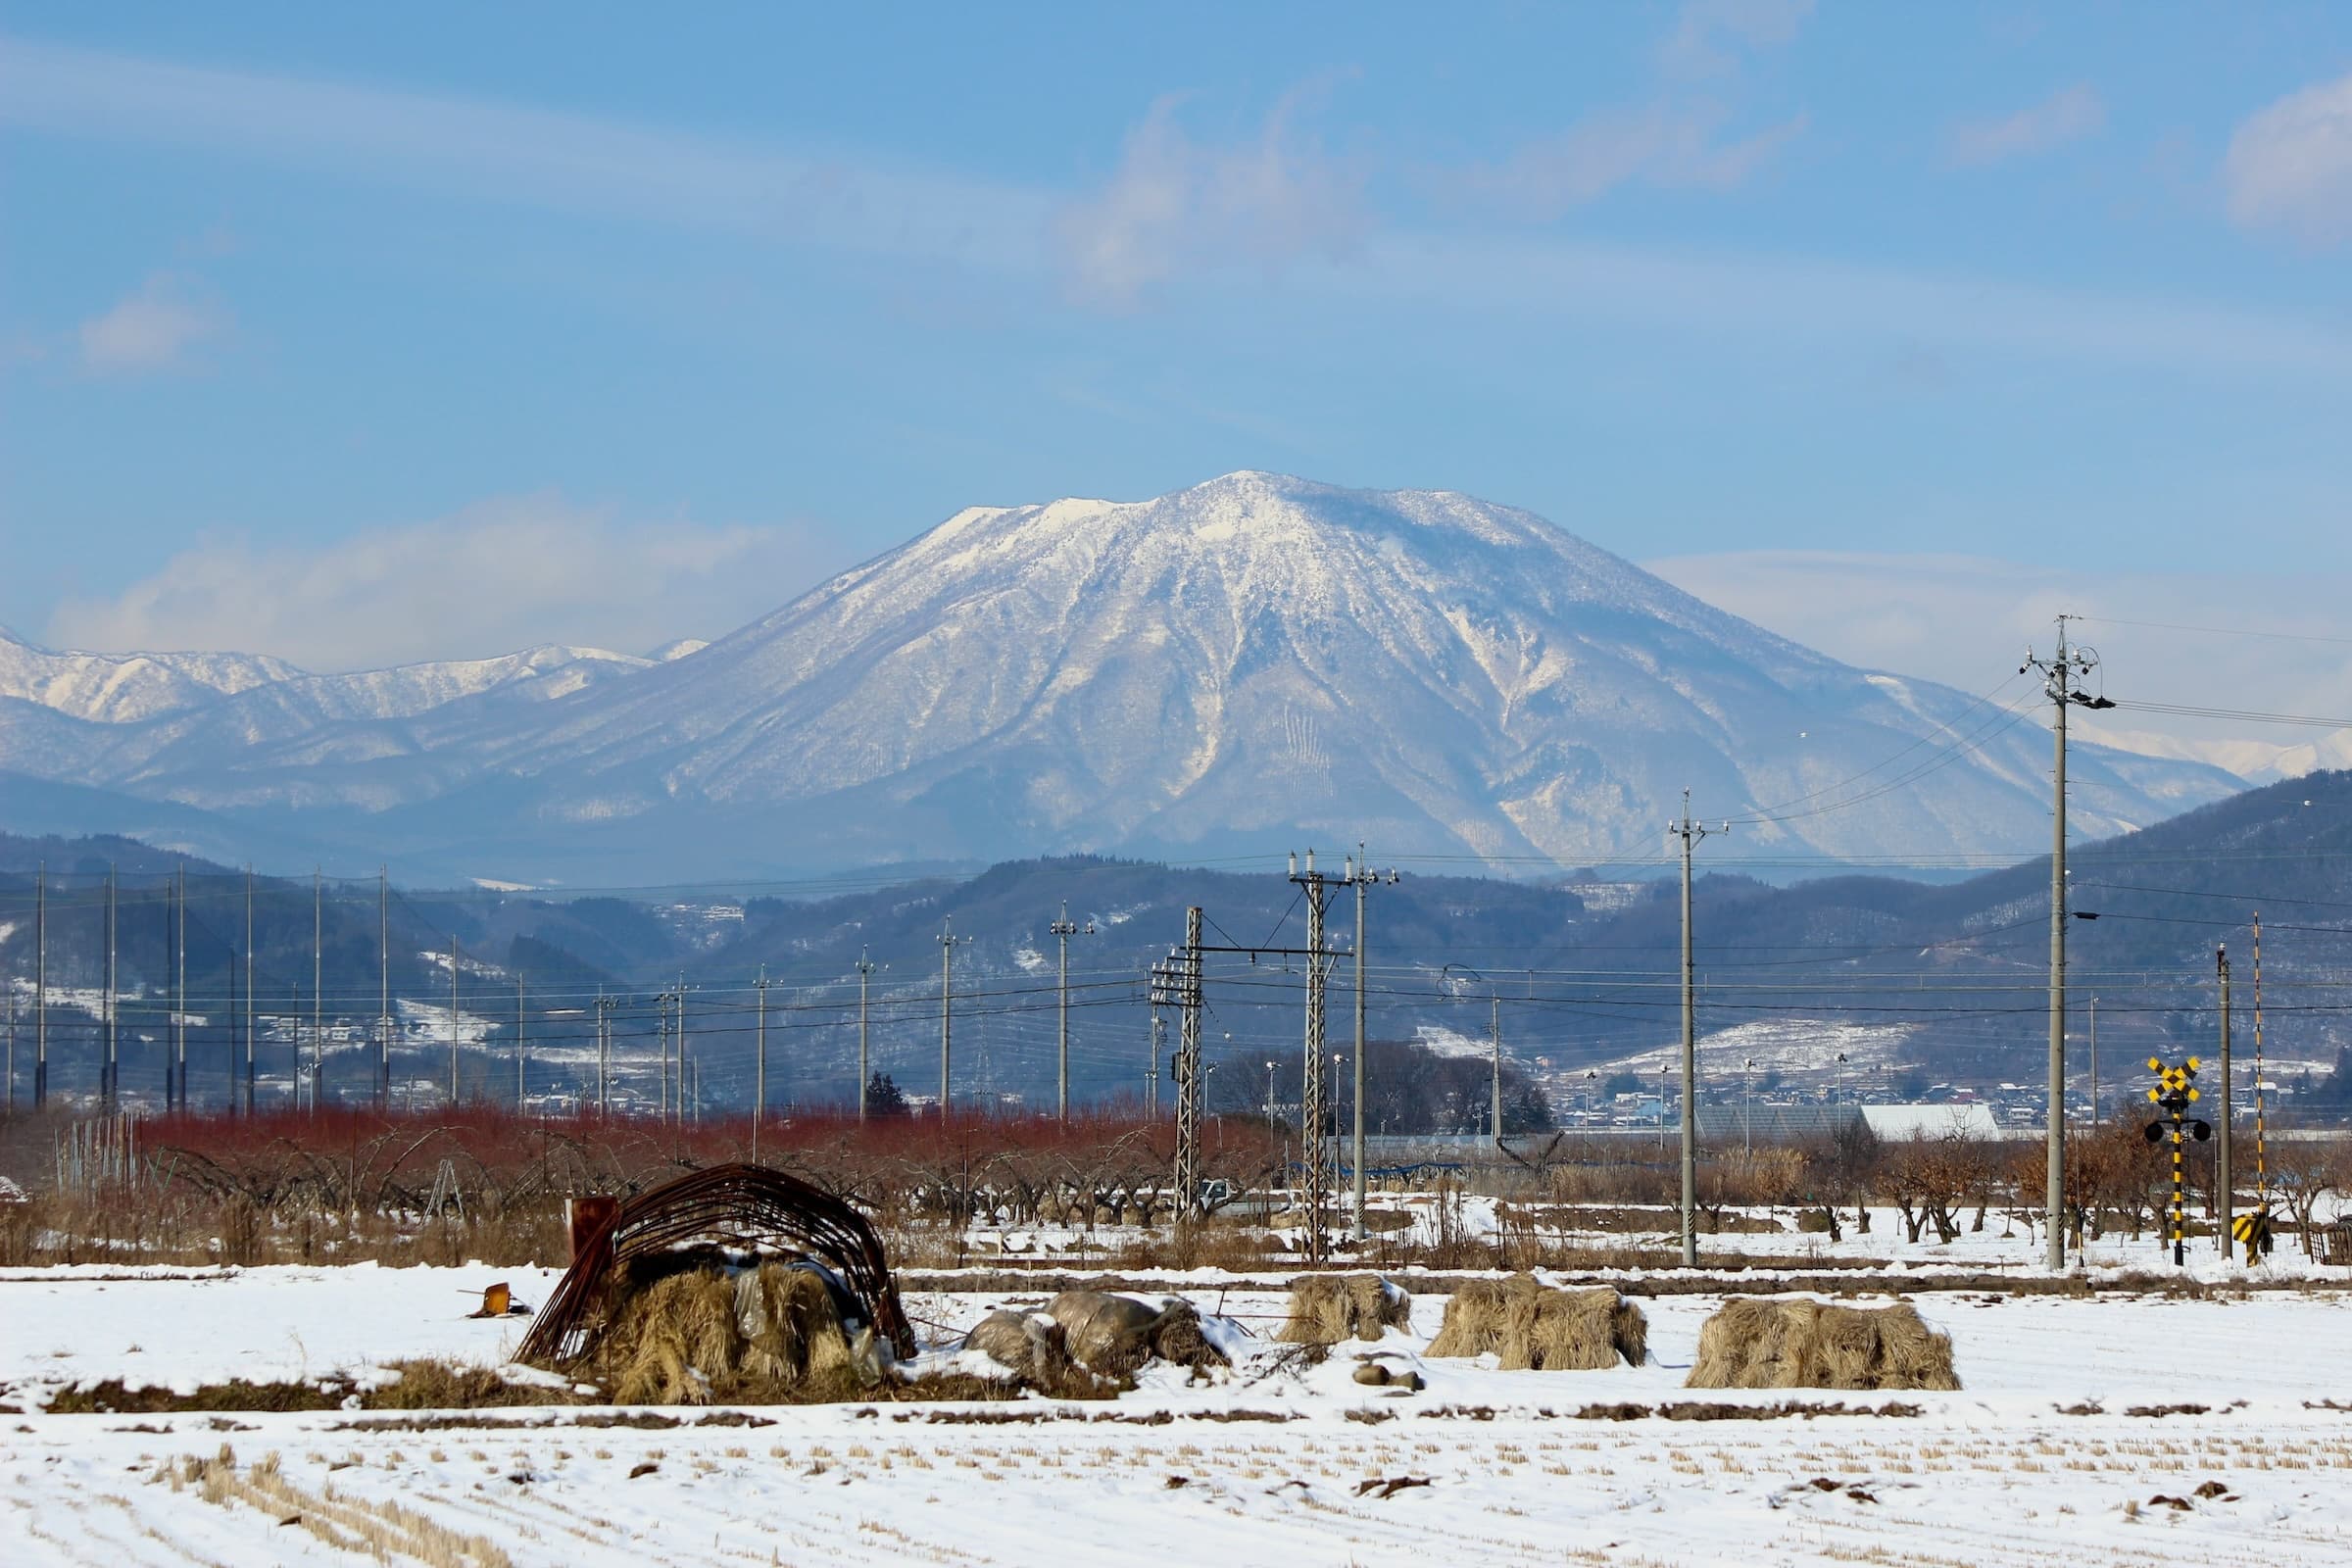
(1975, 1120)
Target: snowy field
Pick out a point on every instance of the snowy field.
(2041, 1459)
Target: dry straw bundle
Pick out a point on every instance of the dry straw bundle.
(771, 1333)
(1535, 1327)
(1326, 1308)
(1794, 1343)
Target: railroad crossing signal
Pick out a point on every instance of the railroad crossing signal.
(2253, 1231)
(2176, 1090)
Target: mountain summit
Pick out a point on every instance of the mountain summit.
(1251, 662)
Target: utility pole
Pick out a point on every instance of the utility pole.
(383, 989)
(759, 1070)
(519, 1095)
(2062, 673)
(865, 974)
(108, 1078)
(1316, 1098)
(661, 1037)
(319, 985)
(2094, 1063)
(180, 1008)
(947, 953)
(682, 1094)
(249, 1004)
(1159, 1037)
(12, 1043)
(40, 986)
(2224, 1186)
(1063, 929)
(604, 1052)
(453, 1018)
(1361, 877)
(1689, 833)
(1495, 1041)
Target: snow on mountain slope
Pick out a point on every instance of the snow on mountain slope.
(1253, 662)
(123, 688)
(1260, 659)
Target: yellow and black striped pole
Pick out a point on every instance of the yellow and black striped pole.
(2175, 1092)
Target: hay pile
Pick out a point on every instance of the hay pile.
(1535, 1327)
(776, 1332)
(1752, 1344)
(1113, 1336)
(1326, 1308)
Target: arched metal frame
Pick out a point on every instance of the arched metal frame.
(729, 1207)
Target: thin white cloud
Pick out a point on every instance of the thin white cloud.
(1706, 33)
(1176, 204)
(1810, 299)
(2290, 166)
(2066, 115)
(502, 152)
(1664, 145)
(1964, 620)
(152, 329)
(500, 577)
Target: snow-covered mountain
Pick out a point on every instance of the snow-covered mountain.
(123, 688)
(1251, 662)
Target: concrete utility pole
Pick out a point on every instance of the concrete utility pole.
(12, 1042)
(383, 989)
(683, 1099)
(1313, 1144)
(108, 1079)
(2061, 673)
(453, 1018)
(947, 953)
(866, 975)
(604, 1052)
(40, 986)
(317, 987)
(1363, 878)
(2224, 1186)
(250, 1019)
(759, 1066)
(662, 1039)
(2095, 1061)
(1063, 929)
(179, 983)
(519, 1095)
(1689, 833)
(1152, 1063)
(1495, 1041)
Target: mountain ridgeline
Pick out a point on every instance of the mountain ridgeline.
(1578, 973)
(1245, 665)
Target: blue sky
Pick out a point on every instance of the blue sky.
(335, 306)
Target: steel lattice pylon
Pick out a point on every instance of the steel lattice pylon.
(1317, 1099)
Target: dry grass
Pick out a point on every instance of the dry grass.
(765, 1335)
(1535, 1327)
(1785, 1344)
(1326, 1308)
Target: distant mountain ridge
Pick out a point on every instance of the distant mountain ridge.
(1251, 662)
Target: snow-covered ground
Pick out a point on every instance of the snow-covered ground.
(1266, 1465)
